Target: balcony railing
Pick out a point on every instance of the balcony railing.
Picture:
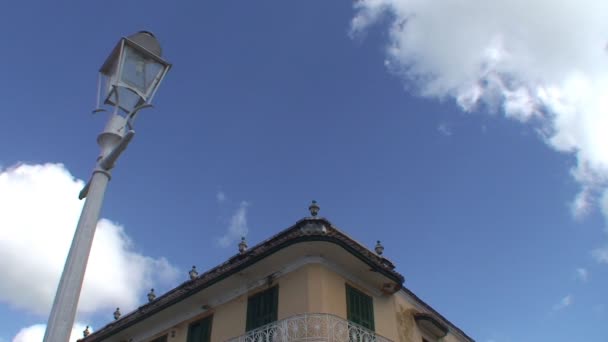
(311, 327)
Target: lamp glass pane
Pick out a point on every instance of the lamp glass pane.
(140, 72)
(128, 100)
(125, 98)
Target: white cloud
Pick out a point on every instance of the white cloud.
(582, 203)
(220, 197)
(543, 62)
(600, 254)
(35, 333)
(582, 274)
(444, 129)
(563, 303)
(40, 209)
(237, 227)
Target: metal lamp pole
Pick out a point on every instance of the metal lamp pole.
(133, 72)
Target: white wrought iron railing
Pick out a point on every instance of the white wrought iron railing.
(311, 327)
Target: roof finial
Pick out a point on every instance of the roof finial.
(242, 245)
(151, 295)
(117, 314)
(86, 332)
(314, 208)
(193, 273)
(379, 248)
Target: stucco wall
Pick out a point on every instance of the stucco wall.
(315, 288)
(406, 325)
(312, 288)
(384, 316)
(326, 291)
(327, 294)
(450, 338)
(293, 293)
(229, 319)
(179, 332)
(407, 330)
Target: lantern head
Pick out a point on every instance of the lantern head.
(133, 72)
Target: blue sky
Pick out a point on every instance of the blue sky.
(271, 104)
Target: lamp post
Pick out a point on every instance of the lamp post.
(131, 76)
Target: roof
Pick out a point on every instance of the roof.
(307, 229)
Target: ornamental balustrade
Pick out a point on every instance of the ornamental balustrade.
(311, 327)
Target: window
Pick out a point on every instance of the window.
(262, 308)
(359, 308)
(200, 331)
(160, 339)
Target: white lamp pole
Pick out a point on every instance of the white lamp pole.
(132, 72)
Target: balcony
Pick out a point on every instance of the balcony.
(311, 327)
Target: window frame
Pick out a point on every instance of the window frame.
(253, 319)
(351, 308)
(202, 320)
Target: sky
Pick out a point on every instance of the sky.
(466, 135)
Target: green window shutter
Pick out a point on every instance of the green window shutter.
(262, 308)
(359, 308)
(200, 331)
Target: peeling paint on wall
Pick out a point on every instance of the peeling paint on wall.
(406, 324)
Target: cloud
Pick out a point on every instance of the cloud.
(40, 210)
(582, 275)
(35, 333)
(563, 303)
(546, 65)
(220, 197)
(582, 203)
(600, 254)
(237, 226)
(444, 129)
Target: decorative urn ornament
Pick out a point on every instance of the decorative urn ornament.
(151, 295)
(314, 208)
(379, 248)
(193, 273)
(242, 245)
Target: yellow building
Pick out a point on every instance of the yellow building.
(310, 282)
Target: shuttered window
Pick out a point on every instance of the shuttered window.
(359, 308)
(200, 331)
(262, 308)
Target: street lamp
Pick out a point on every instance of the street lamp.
(128, 81)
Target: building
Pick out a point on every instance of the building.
(310, 282)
